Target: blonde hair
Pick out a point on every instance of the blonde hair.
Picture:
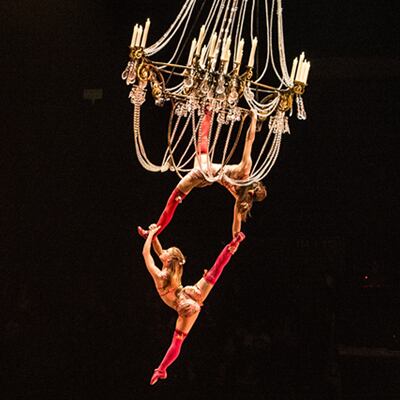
(175, 268)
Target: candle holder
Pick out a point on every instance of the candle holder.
(205, 81)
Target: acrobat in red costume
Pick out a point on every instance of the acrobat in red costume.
(244, 195)
(187, 300)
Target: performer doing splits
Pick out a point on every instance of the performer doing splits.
(244, 195)
(185, 300)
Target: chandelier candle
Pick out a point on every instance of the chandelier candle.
(200, 40)
(191, 53)
(134, 34)
(239, 52)
(211, 80)
(139, 36)
(299, 67)
(145, 33)
(294, 66)
(252, 52)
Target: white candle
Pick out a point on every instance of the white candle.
(191, 53)
(225, 49)
(145, 33)
(139, 36)
(294, 65)
(303, 71)
(215, 52)
(239, 52)
(300, 67)
(201, 38)
(308, 71)
(228, 56)
(203, 56)
(252, 52)
(213, 42)
(134, 34)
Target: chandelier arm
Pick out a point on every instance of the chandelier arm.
(238, 135)
(265, 110)
(232, 17)
(281, 45)
(269, 163)
(178, 46)
(223, 161)
(140, 151)
(180, 166)
(239, 29)
(272, 48)
(169, 141)
(167, 36)
(181, 135)
(262, 150)
(211, 15)
(225, 8)
(267, 58)
(270, 159)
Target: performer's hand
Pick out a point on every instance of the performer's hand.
(153, 229)
(253, 113)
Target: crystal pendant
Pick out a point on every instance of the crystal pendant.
(220, 86)
(188, 82)
(129, 74)
(137, 95)
(301, 112)
(233, 96)
(279, 123)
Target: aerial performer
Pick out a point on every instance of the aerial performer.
(244, 195)
(185, 300)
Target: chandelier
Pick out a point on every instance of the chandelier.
(219, 75)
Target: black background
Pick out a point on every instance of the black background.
(80, 318)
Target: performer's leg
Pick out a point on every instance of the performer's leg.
(210, 277)
(170, 356)
(202, 144)
(174, 199)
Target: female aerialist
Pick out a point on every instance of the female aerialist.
(187, 300)
(244, 195)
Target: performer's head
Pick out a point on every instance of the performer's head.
(256, 191)
(173, 261)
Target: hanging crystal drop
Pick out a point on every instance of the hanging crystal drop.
(220, 86)
(301, 112)
(279, 123)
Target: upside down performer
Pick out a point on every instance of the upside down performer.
(187, 300)
(244, 195)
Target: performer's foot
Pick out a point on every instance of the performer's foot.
(158, 374)
(239, 237)
(142, 232)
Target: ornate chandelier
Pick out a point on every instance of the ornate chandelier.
(216, 76)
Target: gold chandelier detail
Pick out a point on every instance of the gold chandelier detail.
(215, 77)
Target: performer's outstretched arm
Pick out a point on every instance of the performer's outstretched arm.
(156, 242)
(237, 221)
(246, 162)
(148, 258)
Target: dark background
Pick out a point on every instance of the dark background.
(309, 306)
